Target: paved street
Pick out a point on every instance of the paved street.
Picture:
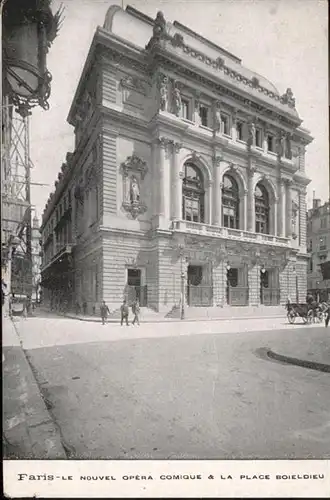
(190, 390)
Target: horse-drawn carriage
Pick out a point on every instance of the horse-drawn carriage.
(309, 313)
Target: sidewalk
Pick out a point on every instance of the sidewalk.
(313, 354)
(149, 316)
(28, 429)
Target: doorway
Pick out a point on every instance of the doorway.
(198, 293)
(135, 289)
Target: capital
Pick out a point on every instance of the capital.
(164, 142)
(177, 147)
(217, 160)
(251, 171)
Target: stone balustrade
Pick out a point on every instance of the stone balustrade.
(228, 233)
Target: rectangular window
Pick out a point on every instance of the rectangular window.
(225, 124)
(271, 143)
(258, 138)
(323, 243)
(311, 265)
(185, 109)
(323, 223)
(239, 129)
(204, 113)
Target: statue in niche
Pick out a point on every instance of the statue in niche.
(134, 190)
(164, 94)
(196, 118)
(252, 134)
(217, 118)
(288, 152)
(176, 101)
(294, 212)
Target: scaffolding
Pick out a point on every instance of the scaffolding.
(16, 196)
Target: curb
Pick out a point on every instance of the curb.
(173, 320)
(312, 365)
(29, 429)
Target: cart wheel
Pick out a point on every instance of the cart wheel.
(305, 319)
(319, 317)
(291, 317)
(310, 316)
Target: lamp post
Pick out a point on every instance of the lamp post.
(182, 276)
(28, 28)
(262, 270)
(228, 285)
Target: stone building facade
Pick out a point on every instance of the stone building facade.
(318, 246)
(187, 181)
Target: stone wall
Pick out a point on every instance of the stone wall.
(254, 285)
(169, 276)
(109, 177)
(219, 284)
(301, 270)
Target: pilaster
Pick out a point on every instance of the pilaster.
(281, 219)
(177, 181)
(217, 191)
(288, 207)
(250, 199)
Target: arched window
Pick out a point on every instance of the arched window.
(230, 202)
(193, 194)
(261, 203)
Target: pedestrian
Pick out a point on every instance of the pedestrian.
(77, 308)
(327, 314)
(136, 312)
(94, 310)
(124, 313)
(84, 307)
(104, 312)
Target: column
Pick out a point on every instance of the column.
(233, 126)
(161, 187)
(177, 181)
(275, 221)
(250, 201)
(54, 242)
(281, 210)
(288, 208)
(245, 210)
(217, 192)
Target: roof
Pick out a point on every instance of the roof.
(140, 28)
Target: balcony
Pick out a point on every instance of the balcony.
(227, 233)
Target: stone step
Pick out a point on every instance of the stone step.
(227, 312)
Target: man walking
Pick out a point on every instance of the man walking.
(136, 312)
(104, 312)
(327, 314)
(124, 313)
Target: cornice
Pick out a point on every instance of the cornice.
(83, 148)
(164, 43)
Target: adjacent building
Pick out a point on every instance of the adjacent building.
(318, 240)
(187, 181)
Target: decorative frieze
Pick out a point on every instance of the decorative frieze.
(134, 83)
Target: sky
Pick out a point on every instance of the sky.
(286, 41)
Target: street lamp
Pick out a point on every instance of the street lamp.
(182, 273)
(29, 28)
